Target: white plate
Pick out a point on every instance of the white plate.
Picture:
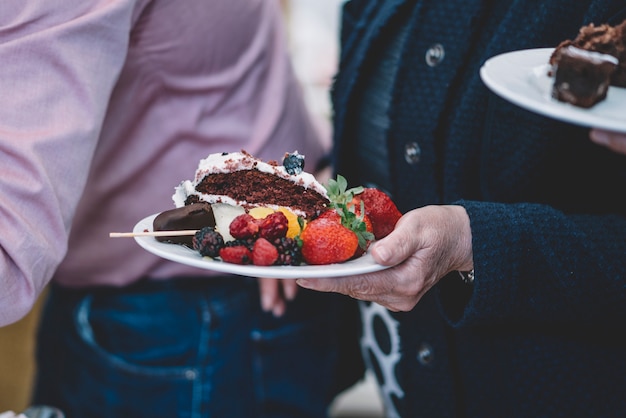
(520, 78)
(184, 255)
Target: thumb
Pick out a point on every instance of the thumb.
(395, 247)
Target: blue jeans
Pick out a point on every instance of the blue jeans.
(190, 348)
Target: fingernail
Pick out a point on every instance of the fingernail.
(382, 253)
(278, 311)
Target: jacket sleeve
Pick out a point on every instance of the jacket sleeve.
(534, 263)
(60, 60)
(549, 220)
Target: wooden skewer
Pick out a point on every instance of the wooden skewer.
(152, 234)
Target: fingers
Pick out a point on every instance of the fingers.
(426, 244)
(395, 247)
(290, 289)
(275, 293)
(368, 287)
(612, 140)
(272, 299)
(382, 288)
(335, 284)
(398, 288)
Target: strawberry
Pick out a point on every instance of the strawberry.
(326, 241)
(334, 215)
(330, 214)
(369, 228)
(380, 209)
(352, 216)
(264, 253)
(239, 254)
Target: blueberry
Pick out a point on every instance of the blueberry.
(294, 163)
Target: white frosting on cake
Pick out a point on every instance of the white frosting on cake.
(238, 161)
(592, 55)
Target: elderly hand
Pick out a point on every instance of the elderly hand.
(612, 140)
(275, 293)
(426, 244)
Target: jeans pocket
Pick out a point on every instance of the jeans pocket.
(137, 335)
(107, 354)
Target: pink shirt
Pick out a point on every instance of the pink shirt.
(106, 105)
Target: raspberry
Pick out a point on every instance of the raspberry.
(239, 254)
(264, 253)
(243, 226)
(274, 225)
(208, 242)
(289, 252)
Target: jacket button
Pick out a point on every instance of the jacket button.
(191, 374)
(412, 153)
(435, 55)
(425, 354)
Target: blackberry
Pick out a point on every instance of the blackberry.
(289, 252)
(246, 242)
(208, 242)
(294, 163)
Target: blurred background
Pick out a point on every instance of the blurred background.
(313, 28)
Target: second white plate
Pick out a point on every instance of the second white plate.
(184, 255)
(520, 78)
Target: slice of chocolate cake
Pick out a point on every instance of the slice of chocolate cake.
(605, 39)
(581, 77)
(585, 66)
(239, 179)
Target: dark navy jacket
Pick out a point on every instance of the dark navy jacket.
(541, 332)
